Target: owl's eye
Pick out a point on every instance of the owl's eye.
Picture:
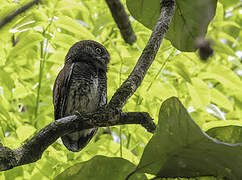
(98, 50)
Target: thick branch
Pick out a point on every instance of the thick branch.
(18, 11)
(32, 150)
(122, 20)
(147, 57)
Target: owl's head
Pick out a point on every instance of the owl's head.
(89, 51)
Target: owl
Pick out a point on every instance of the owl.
(81, 86)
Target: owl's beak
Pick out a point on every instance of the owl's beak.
(101, 63)
(106, 59)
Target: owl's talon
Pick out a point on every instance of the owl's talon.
(77, 113)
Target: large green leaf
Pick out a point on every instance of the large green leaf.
(179, 148)
(101, 167)
(190, 20)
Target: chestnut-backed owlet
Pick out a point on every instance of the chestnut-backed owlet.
(81, 86)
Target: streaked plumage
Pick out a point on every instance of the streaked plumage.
(81, 86)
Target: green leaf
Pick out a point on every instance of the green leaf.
(23, 132)
(215, 111)
(220, 99)
(7, 8)
(229, 3)
(222, 48)
(226, 23)
(64, 40)
(20, 91)
(190, 20)
(7, 80)
(1, 133)
(223, 35)
(182, 70)
(37, 17)
(215, 124)
(58, 155)
(161, 90)
(16, 173)
(30, 39)
(199, 92)
(105, 146)
(179, 148)
(226, 131)
(224, 75)
(5, 107)
(74, 28)
(145, 11)
(101, 167)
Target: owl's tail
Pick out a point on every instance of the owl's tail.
(76, 141)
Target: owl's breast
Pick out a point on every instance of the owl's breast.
(84, 92)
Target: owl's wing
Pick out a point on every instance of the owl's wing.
(103, 89)
(60, 89)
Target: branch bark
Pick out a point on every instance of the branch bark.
(109, 115)
(18, 11)
(122, 20)
(32, 150)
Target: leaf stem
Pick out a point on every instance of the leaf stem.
(43, 56)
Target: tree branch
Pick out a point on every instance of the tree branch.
(122, 20)
(18, 11)
(109, 115)
(128, 88)
(32, 150)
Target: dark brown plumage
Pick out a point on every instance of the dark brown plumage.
(81, 86)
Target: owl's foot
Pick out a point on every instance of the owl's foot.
(77, 113)
(90, 121)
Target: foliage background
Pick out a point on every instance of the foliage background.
(210, 90)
